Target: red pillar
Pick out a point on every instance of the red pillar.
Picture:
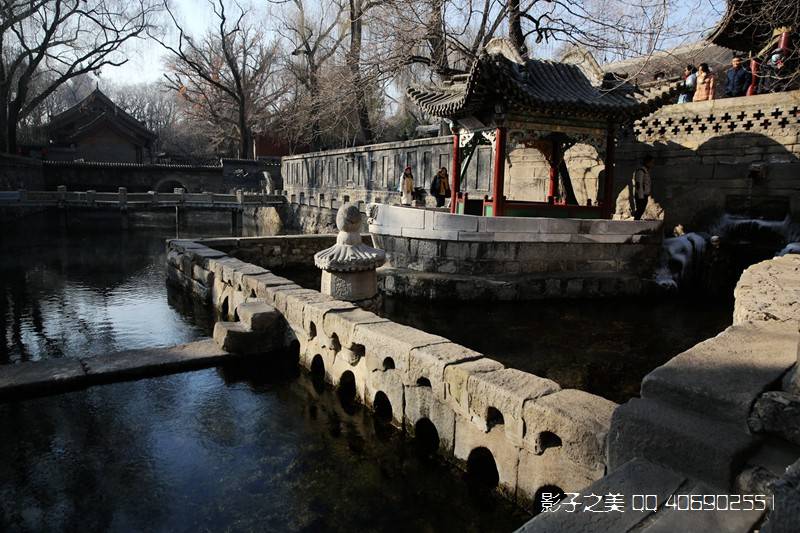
(555, 159)
(753, 87)
(608, 186)
(499, 171)
(455, 175)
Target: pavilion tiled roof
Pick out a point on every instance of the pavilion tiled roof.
(537, 87)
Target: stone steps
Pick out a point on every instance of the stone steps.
(667, 493)
(255, 332)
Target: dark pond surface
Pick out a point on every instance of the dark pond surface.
(90, 289)
(601, 346)
(245, 448)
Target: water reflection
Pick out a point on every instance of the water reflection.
(241, 448)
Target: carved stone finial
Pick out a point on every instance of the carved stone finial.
(349, 254)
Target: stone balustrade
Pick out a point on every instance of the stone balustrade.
(537, 434)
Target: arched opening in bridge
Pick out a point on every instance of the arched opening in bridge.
(481, 468)
(426, 437)
(546, 497)
(548, 439)
(318, 373)
(312, 330)
(388, 363)
(494, 418)
(293, 353)
(335, 344)
(235, 315)
(170, 186)
(382, 406)
(223, 309)
(346, 390)
(358, 350)
(423, 382)
(252, 293)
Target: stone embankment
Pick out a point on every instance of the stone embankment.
(434, 254)
(722, 418)
(482, 415)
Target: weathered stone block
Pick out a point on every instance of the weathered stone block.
(456, 377)
(390, 383)
(259, 283)
(777, 412)
(504, 452)
(237, 338)
(446, 221)
(578, 419)
(202, 275)
(421, 402)
(699, 446)
(389, 344)
(429, 363)
(258, 315)
(505, 391)
(342, 323)
(723, 376)
(349, 286)
(552, 468)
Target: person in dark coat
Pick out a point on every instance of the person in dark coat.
(738, 79)
(440, 187)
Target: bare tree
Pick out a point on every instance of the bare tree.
(227, 75)
(46, 43)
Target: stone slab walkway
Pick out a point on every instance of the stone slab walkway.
(42, 378)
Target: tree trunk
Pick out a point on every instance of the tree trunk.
(437, 39)
(354, 63)
(515, 28)
(313, 89)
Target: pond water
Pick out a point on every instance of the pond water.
(239, 448)
(244, 447)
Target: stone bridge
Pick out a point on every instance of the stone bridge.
(718, 419)
(528, 433)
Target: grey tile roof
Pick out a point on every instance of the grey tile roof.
(537, 87)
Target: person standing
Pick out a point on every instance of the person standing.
(738, 79)
(642, 186)
(406, 187)
(706, 85)
(440, 188)
(689, 84)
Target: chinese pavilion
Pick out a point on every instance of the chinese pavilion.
(505, 100)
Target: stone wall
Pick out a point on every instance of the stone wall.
(283, 251)
(537, 434)
(372, 173)
(471, 257)
(738, 155)
(108, 177)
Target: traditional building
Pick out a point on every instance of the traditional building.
(508, 102)
(96, 129)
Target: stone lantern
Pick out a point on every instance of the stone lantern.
(348, 267)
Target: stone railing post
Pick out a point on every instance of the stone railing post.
(62, 194)
(321, 200)
(90, 196)
(123, 198)
(240, 197)
(293, 199)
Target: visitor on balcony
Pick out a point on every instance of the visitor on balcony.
(738, 79)
(406, 187)
(706, 84)
(642, 186)
(689, 84)
(440, 188)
